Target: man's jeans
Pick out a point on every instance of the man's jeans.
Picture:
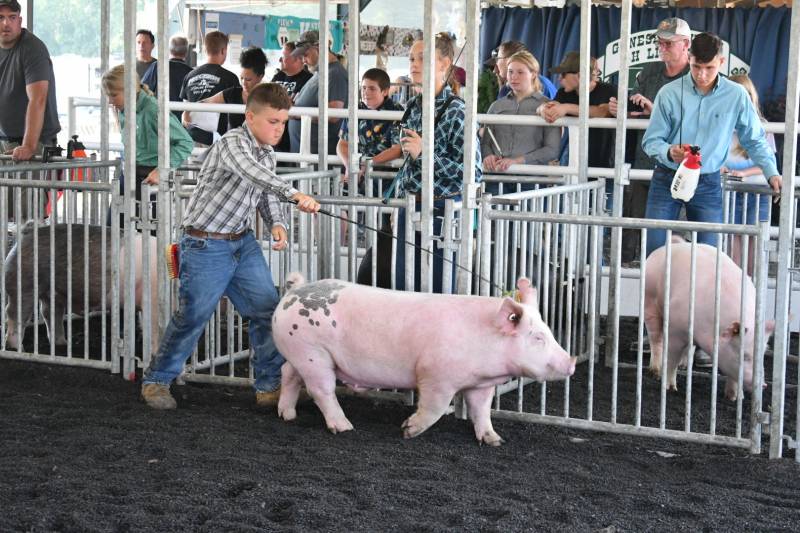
(209, 269)
(705, 205)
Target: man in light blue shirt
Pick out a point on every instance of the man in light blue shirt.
(703, 109)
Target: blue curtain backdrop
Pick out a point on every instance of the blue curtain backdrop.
(760, 37)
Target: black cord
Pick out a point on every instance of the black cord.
(415, 245)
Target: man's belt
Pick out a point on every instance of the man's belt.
(211, 235)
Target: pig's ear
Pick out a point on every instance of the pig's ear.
(527, 293)
(508, 318)
(732, 331)
(769, 327)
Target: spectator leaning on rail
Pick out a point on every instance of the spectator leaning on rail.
(293, 76)
(145, 42)
(178, 69)
(207, 80)
(378, 139)
(113, 83)
(307, 47)
(601, 141)
(254, 64)
(448, 149)
(504, 145)
(219, 255)
(673, 37)
(499, 61)
(701, 108)
(28, 114)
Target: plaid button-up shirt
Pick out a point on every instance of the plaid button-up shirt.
(237, 177)
(448, 148)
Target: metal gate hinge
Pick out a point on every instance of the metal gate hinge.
(763, 418)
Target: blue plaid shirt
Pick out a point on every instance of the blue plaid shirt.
(375, 136)
(448, 149)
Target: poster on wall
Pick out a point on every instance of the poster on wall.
(643, 49)
(394, 41)
(280, 30)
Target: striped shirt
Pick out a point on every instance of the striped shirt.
(237, 177)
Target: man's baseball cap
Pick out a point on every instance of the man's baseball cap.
(571, 64)
(13, 5)
(308, 39)
(673, 27)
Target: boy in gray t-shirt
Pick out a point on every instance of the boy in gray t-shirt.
(25, 67)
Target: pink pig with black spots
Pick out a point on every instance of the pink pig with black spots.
(439, 344)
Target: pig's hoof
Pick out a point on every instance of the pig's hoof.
(340, 426)
(287, 414)
(410, 427)
(491, 438)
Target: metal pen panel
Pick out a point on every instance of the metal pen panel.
(428, 146)
(785, 240)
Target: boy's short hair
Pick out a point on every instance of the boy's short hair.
(379, 76)
(705, 47)
(215, 42)
(254, 59)
(268, 95)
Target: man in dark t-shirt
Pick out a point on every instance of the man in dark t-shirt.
(28, 114)
(207, 80)
(178, 69)
(601, 140)
(292, 75)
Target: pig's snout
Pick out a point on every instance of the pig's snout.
(562, 366)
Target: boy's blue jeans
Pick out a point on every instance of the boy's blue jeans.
(209, 269)
(705, 205)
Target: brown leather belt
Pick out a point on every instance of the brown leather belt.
(211, 235)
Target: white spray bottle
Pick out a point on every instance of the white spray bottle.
(688, 174)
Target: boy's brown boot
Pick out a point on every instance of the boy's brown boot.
(268, 399)
(157, 396)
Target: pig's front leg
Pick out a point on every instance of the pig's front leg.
(479, 403)
(653, 322)
(58, 335)
(678, 348)
(434, 399)
(731, 388)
